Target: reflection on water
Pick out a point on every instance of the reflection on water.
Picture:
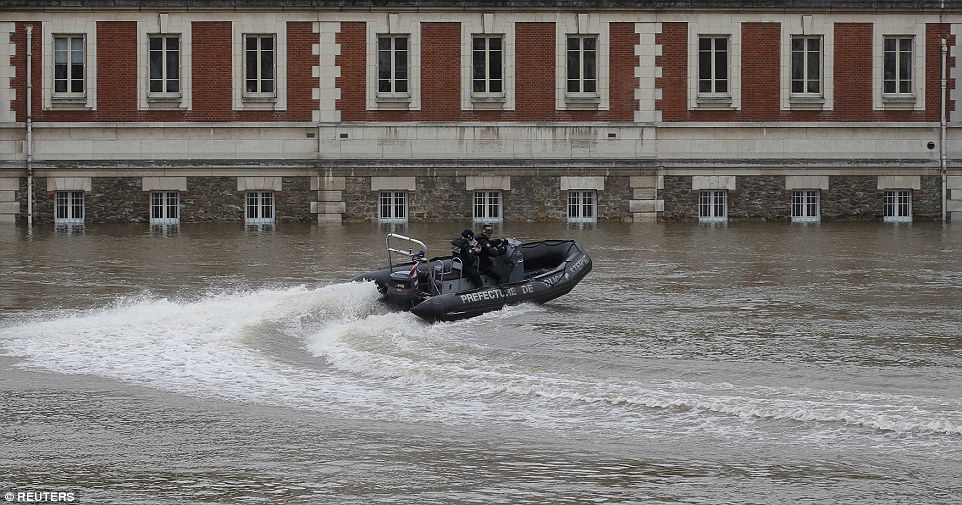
(223, 363)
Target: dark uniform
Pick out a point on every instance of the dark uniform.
(466, 248)
(489, 249)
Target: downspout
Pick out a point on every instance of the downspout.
(942, 134)
(29, 146)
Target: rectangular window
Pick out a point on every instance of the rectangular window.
(164, 65)
(68, 65)
(259, 208)
(807, 65)
(487, 206)
(69, 207)
(392, 207)
(582, 206)
(582, 64)
(805, 206)
(897, 66)
(259, 65)
(164, 207)
(488, 67)
(713, 205)
(392, 64)
(713, 65)
(898, 205)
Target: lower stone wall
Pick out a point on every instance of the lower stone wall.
(532, 198)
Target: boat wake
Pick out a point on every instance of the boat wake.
(336, 351)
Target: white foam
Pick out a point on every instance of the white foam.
(368, 362)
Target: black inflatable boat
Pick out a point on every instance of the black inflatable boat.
(435, 289)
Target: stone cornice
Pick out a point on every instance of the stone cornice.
(953, 6)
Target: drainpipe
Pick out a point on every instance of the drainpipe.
(942, 133)
(29, 147)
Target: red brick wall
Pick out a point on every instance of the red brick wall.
(440, 71)
(300, 72)
(853, 70)
(622, 71)
(211, 71)
(761, 57)
(19, 82)
(673, 62)
(441, 77)
(116, 71)
(761, 76)
(933, 69)
(534, 75)
(352, 82)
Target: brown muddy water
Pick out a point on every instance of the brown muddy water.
(748, 363)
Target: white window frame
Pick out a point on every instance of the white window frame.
(69, 208)
(806, 205)
(259, 78)
(581, 79)
(70, 78)
(392, 206)
(899, 27)
(260, 207)
(392, 51)
(806, 58)
(582, 206)
(714, 79)
(713, 206)
(901, 56)
(165, 77)
(486, 55)
(487, 206)
(164, 207)
(897, 206)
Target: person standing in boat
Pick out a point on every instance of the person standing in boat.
(466, 248)
(490, 247)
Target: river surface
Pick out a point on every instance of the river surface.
(748, 363)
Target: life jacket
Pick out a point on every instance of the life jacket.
(458, 244)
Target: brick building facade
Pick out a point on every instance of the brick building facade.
(431, 111)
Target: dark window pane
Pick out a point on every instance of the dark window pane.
(173, 65)
(383, 43)
(797, 65)
(494, 43)
(721, 44)
(721, 65)
(156, 43)
(478, 65)
(173, 85)
(401, 65)
(495, 86)
(384, 65)
(401, 86)
(589, 62)
(574, 65)
(797, 44)
(889, 44)
(704, 65)
(704, 44)
(267, 43)
(590, 43)
(495, 71)
(574, 43)
(401, 43)
(267, 65)
(478, 43)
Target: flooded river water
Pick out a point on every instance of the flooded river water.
(751, 363)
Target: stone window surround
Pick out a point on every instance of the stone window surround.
(70, 25)
(574, 24)
(793, 182)
(163, 24)
(809, 25)
(488, 24)
(905, 26)
(395, 24)
(579, 183)
(178, 184)
(716, 25)
(259, 25)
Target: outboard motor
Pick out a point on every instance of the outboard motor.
(402, 289)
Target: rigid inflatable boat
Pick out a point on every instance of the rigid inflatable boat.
(435, 289)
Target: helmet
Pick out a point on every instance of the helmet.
(467, 234)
